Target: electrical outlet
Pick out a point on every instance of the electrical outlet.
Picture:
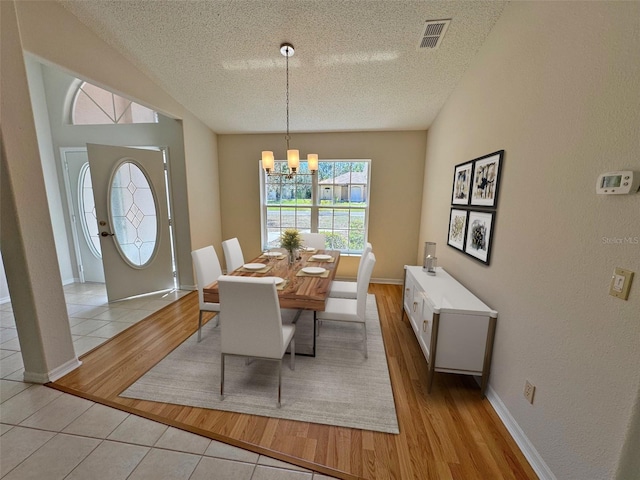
(529, 390)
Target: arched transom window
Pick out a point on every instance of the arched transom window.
(96, 106)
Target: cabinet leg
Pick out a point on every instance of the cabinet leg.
(430, 373)
(404, 283)
(486, 368)
(483, 384)
(433, 347)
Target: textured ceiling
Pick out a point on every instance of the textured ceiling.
(356, 66)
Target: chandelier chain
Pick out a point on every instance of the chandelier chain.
(287, 137)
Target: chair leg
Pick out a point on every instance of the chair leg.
(221, 376)
(200, 326)
(293, 354)
(366, 353)
(279, 381)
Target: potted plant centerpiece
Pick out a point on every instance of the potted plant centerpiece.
(291, 241)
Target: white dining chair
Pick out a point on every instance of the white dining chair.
(233, 256)
(207, 267)
(314, 240)
(344, 289)
(348, 309)
(252, 324)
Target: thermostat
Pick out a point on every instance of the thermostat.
(616, 183)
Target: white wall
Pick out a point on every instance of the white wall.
(57, 88)
(52, 34)
(557, 85)
(48, 31)
(45, 146)
(27, 239)
(4, 288)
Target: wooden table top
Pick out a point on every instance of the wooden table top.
(300, 292)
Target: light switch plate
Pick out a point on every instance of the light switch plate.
(620, 283)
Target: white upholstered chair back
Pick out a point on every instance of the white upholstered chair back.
(349, 289)
(363, 284)
(314, 240)
(233, 256)
(252, 323)
(207, 267)
(368, 248)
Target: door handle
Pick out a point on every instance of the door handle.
(106, 234)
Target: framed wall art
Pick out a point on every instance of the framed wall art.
(457, 228)
(486, 180)
(462, 175)
(478, 236)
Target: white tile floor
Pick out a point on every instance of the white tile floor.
(48, 434)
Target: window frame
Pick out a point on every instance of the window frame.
(316, 206)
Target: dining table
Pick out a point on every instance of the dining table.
(302, 284)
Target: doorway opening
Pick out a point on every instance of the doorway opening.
(135, 219)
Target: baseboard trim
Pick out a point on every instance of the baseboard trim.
(528, 450)
(389, 281)
(52, 375)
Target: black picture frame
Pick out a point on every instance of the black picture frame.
(486, 180)
(461, 190)
(479, 235)
(457, 235)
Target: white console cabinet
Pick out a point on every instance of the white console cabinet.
(454, 328)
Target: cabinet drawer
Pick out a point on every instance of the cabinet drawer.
(427, 325)
(409, 288)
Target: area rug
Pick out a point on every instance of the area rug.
(336, 387)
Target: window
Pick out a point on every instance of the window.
(93, 105)
(133, 214)
(86, 204)
(335, 202)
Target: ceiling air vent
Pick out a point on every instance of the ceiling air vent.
(433, 33)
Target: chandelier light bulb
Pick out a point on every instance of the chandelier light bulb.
(312, 161)
(293, 159)
(268, 160)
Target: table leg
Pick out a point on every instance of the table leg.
(315, 331)
(315, 326)
(297, 317)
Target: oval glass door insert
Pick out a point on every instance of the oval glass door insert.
(133, 214)
(87, 207)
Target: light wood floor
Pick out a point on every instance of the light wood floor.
(450, 433)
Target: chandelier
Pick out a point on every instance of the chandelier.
(293, 156)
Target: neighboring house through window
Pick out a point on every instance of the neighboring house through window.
(335, 201)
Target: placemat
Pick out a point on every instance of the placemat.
(324, 274)
(262, 270)
(331, 260)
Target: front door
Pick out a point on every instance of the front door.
(133, 219)
(84, 226)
